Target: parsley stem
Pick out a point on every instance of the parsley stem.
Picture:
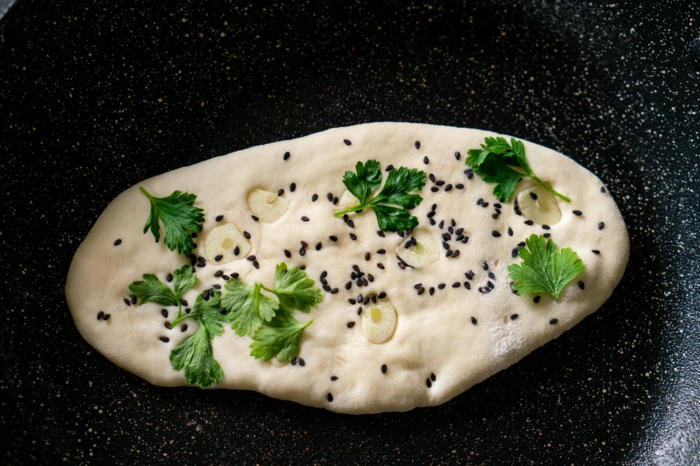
(560, 196)
(350, 209)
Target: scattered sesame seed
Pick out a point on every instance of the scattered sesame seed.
(294, 361)
(601, 225)
(100, 315)
(602, 189)
(529, 222)
(351, 324)
(218, 258)
(581, 285)
(467, 285)
(440, 182)
(335, 200)
(469, 173)
(133, 300)
(442, 224)
(329, 397)
(329, 196)
(381, 295)
(167, 325)
(485, 266)
(595, 251)
(347, 142)
(183, 328)
(334, 290)
(434, 189)
(218, 273)
(225, 277)
(287, 253)
(359, 311)
(164, 339)
(495, 234)
(302, 251)
(432, 377)
(459, 186)
(118, 242)
(553, 321)
(448, 187)
(334, 378)
(236, 251)
(510, 231)
(426, 160)
(448, 253)
(246, 234)
(302, 363)
(304, 218)
(381, 233)
(352, 301)
(353, 236)
(513, 316)
(417, 144)
(457, 155)
(533, 195)
(293, 187)
(333, 238)
(251, 258)
(480, 201)
(432, 222)
(234, 274)
(169, 277)
(280, 192)
(455, 254)
(578, 212)
(492, 276)
(456, 285)
(286, 156)
(219, 218)
(421, 291)
(546, 227)
(431, 291)
(428, 383)
(473, 320)
(536, 299)
(326, 288)
(389, 168)
(384, 368)
(547, 235)
(470, 274)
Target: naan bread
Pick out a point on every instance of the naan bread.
(446, 339)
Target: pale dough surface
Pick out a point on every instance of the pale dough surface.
(434, 334)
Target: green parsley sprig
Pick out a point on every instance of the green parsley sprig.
(396, 192)
(493, 164)
(150, 289)
(544, 269)
(179, 217)
(250, 310)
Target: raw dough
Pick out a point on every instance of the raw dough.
(436, 352)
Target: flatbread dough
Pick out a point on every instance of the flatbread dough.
(446, 339)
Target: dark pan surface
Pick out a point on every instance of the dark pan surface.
(97, 95)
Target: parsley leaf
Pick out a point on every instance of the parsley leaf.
(195, 355)
(294, 289)
(493, 164)
(248, 306)
(179, 217)
(543, 269)
(279, 337)
(153, 290)
(395, 192)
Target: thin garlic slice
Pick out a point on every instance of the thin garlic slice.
(267, 206)
(224, 242)
(379, 322)
(539, 205)
(425, 251)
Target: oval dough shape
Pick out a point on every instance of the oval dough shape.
(451, 329)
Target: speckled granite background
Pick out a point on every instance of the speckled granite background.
(95, 96)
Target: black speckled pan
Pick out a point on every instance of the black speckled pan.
(97, 95)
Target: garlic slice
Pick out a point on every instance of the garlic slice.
(225, 241)
(425, 251)
(539, 205)
(267, 206)
(379, 322)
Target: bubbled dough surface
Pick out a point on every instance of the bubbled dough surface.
(434, 333)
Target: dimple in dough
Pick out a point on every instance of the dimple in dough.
(435, 331)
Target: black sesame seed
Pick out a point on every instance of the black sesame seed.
(218, 273)
(334, 290)
(302, 251)
(360, 298)
(467, 285)
(434, 189)
(236, 251)
(329, 196)
(334, 378)
(329, 397)
(287, 253)
(381, 233)
(326, 288)
(353, 236)
(601, 225)
(183, 328)
(445, 245)
(351, 324)
(167, 325)
(432, 221)
(294, 361)
(347, 142)
(333, 238)
(324, 281)
(513, 316)
(473, 320)
(602, 189)
(484, 204)
(417, 144)
(459, 186)
(118, 242)
(428, 383)
(495, 234)
(514, 253)
(335, 200)
(170, 277)
(547, 235)
(352, 301)
(469, 173)
(494, 216)
(553, 321)
(280, 192)
(389, 168)
(384, 368)
(533, 195)
(302, 363)
(456, 285)
(442, 223)
(581, 285)
(432, 377)
(595, 251)
(536, 299)
(455, 254)
(489, 285)
(318, 246)
(164, 339)
(440, 183)
(529, 222)
(286, 155)
(522, 243)
(421, 291)
(219, 218)
(218, 258)
(426, 160)
(133, 300)
(293, 187)
(492, 276)
(246, 234)
(480, 201)
(304, 218)
(517, 211)
(417, 286)
(510, 231)
(448, 187)
(351, 224)
(470, 274)
(431, 291)
(485, 266)
(205, 295)
(234, 274)
(578, 212)
(457, 155)
(251, 258)
(448, 253)
(546, 227)
(381, 295)
(100, 315)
